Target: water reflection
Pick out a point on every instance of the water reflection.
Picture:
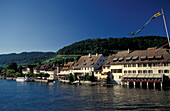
(50, 96)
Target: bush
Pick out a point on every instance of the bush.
(10, 73)
(70, 77)
(46, 75)
(19, 75)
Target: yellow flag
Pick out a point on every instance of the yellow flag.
(157, 14)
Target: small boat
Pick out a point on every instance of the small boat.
(22, 79)
(56, 81)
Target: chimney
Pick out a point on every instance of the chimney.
(53, 64)
(89, 55)
(96, 54)
(128, 50)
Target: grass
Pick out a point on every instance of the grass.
(60, 58)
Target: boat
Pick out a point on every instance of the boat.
(22, 79)
(56, 81)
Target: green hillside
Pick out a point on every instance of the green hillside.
(112, 45)
(75, 50)
(61, 59)
(25, 58)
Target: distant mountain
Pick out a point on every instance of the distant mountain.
(25, 58)
(112, 45)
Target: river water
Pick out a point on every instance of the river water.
(34, 96)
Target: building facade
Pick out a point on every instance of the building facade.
(87, 65)
(139, 62)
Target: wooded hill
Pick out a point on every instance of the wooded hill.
(75, 50)
(25, 58)
(112, 45)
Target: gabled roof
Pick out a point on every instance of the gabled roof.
(87, 61)
(139, 56)
(67, 66)
(44, 67)
(37, 67)
(52, 68)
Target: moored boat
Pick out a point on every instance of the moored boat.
(22, 79)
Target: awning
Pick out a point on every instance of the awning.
(141, 75)
(158, 76)
(146, 76)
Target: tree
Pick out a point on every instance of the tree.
(19, 75)
(10, 73)
(31, 74)
(108, 78)
(46, 75)
(70, 77)
(1, 69)
(20, 69)
(13, 66)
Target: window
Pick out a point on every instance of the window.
(133, 65)
(144, 71)
(155, 64)
(150, 71)
(104, 67)
(120, 77)
(116, 70)
(129, 71)
(128, 58)
(108, 67)
(115, 59)
(139, 65)
(144, 65)
(129, 65)
(125, 65)
(143, 58)
(150, 65)
(119, 70)
(160, 71)
(166, 71)
(120, 59)
(125, 72)
(135, 58)
(139, 71)
(113, 71)
(134, 71)
(165, 64)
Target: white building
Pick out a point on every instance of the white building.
(137, 62)
(86, 65)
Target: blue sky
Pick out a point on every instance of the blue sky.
(48, 25)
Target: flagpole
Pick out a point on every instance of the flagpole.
(165, 26)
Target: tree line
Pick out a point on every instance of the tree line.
(12, 70)
(25, 58)
(112, 45)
